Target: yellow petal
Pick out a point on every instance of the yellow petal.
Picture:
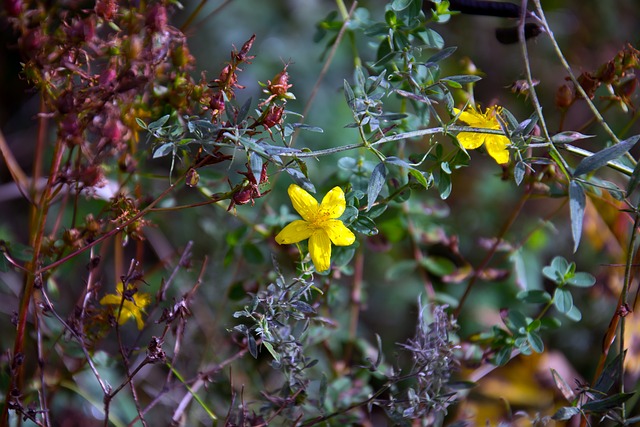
(339, 234)
(303, 202)
(333, 203)
(130, 310)
(111, 299)
(320, 250)
(496, 146)
(471, 140)
(295, 232)
(471, 117)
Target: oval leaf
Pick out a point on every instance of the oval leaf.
(577, 202)
(377, 180)
(601, 158)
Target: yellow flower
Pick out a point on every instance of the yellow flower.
(130, 309)
(496, 145)
(319, 224)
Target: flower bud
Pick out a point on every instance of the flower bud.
(589, 83)
(564, 97)
(273, 116)
(13, 7)
(157, 18)
(106, 9)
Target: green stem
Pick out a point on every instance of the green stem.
(534, 98)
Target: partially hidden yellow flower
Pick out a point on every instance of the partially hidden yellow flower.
(319, 224)
(496, 145)
(131, 308)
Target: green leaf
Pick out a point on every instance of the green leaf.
(577, 202)
(244, 110)
(140, 123)
(563, 300)
(419, 176)
(565, 413)
(609, 375)
(582, 280)
(634, 180)
(376, 182)
(601, 158)
(462, 79)
(439, 56)
(300, 179)
(568, 136)
(503, 355)
(610, 402)
(158, 123)
(518, 172)
(365, 225)
(535, 341)
(432, 39)
(440, 266)
(253, 347)
(444, 185)
(518, 319)
(271, 350)
(574, 314)
(163, 150)
(534, 296)
(255, 164)
(349, 95)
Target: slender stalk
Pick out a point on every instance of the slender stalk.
(483, 264)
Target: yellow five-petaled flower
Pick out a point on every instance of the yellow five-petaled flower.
(319, 224)
(131, 308)
(496, 145)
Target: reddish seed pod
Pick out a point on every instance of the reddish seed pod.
(157, 18)
(273, 116)
(589, 84)
(280, 84)
(564, 97)
(106, 9)
(13, 7)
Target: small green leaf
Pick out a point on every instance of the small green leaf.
(349, 95)
(535, 341)
(577, 202)
(582, 280)
(568, 136)
(163, 150)
(255, 164)
(518, 172)
(439, 56)
(574, 314)
(634, 180)
(602, 157)
(518, 319)
(158, 123)
(365, 225)
(253, 347)
(271, 350)
(565, 413)
(609, 375)
(563, 300)
(140, 123)
(300, 179)
(534, 296)
(376, 182)
(440, 266)
(419, 176)
(610, 402)
(461, 79)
